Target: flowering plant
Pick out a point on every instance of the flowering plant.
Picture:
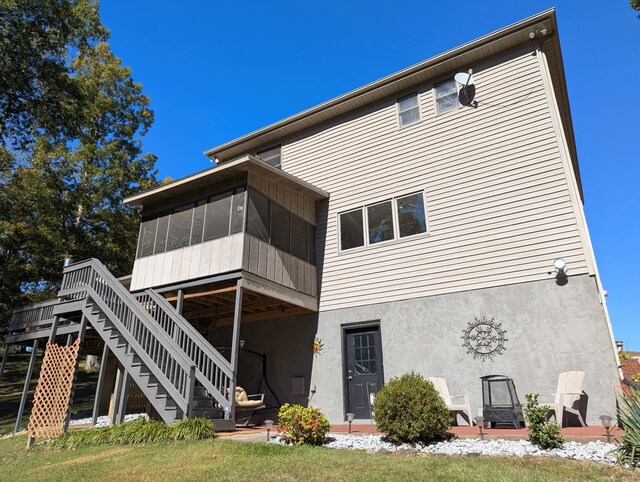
(302, 425)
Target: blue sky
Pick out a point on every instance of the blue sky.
(217, 70)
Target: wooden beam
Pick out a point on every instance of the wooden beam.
(294, 310)
(235, 349)
(27, 382)
(101, 375)
(204, 293)
(263, 303)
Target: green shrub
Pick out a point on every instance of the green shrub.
(629, 418)
(302, 425)
(543, 433)
(138, 432)
(409, 409)
(624, 356)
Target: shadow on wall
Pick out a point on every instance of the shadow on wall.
(286, 343)
(322, 210)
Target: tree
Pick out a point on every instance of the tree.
(635, 5)
(63, 174)
(36, 88)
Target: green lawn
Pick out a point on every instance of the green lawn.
(228, 460)
(11, 390)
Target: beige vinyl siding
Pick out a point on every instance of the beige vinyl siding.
(498, 206)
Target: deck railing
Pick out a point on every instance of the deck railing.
(155, 348)
(33, 317)
(213, 371)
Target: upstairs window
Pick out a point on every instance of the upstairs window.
(380, 222)
(408, 110)
(446, 96)
(271, 156)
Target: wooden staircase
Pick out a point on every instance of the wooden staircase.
(176, 368)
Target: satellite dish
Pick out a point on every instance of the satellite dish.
(466, 95)
(468, 91)
(464, 78)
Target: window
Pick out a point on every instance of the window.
(147, 237)
(411, 215)
(258, 216)
(299, 241)
(351, 229)
(446, 96)
(161, 236)
(237, 211)
(280, 224)
(217, 217)
(180, 228)
(271, 156)
(408, 110)
(382, 223)
(198, 223)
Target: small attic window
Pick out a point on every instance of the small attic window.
(271, 156)
(408, 110)
(446, 96)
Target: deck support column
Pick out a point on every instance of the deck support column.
(4, 359)
(54, 328)
(124, 395)
(235, 349)
(81, 332)
(27, 382)
(101, 375)
(115, 398)
(180, 302)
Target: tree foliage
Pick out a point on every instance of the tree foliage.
(71, 122)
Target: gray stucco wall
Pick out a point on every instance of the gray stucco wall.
(549, 329)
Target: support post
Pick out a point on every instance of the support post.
(235, 348)
(54, 328)
(113, 408)
(27, 382)
(4, 359)
(180, 302)
(83, 329)
(124, 395)
(103, 369)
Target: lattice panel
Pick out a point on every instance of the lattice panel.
(51, 400)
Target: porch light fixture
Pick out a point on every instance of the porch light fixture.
(268, 424)
(606, 423)
(561, 267)
(480, 423)
(350, 417)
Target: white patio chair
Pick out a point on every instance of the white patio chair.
(440, 384)
(567, 396)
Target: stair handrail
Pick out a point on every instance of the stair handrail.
(199, 350)
(75, 282)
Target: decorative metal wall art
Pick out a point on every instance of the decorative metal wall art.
(484, 338)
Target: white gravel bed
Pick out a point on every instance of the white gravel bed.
(104, 420)
(593, 451)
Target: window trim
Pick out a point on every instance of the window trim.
(396, 223)
(435, 97)
(398, 111)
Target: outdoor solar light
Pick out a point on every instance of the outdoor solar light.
(606, 423)
(480, 423)
(350, 417)
(268, 425)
